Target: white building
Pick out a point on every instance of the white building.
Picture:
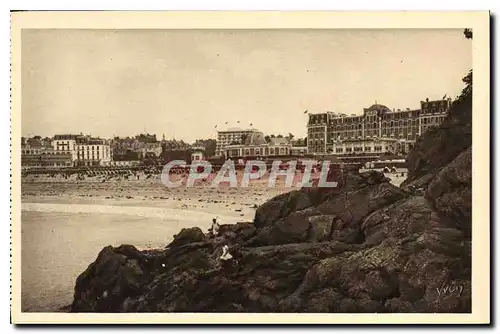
(92, 152)
(231, 136)
(66, 143)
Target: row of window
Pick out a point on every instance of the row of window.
(43, 153)
(55, 164)
(432, 110)
(360, 149)
(369, 119)
(409, 123)
(282, 150)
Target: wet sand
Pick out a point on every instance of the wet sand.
(66, 224)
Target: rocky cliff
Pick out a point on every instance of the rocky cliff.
(367, 246)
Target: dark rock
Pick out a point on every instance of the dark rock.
(320, 227)
(116, 274)
(186, 236)
(451, 191)
(280, 206)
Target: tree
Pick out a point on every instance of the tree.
(468, 33)
(279, 136)
(290, 136)
(267, 138)
(467, 91)
(209, 144)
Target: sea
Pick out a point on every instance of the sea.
(59, 241)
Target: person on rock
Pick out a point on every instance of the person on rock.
(225, 254)
(215, 228)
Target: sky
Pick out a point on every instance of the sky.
(183, 83)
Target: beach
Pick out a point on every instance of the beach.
(65, 223)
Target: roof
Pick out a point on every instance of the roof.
(237, 129)
(66, 137)
(278, 141)
(256, 138)
(378, 107)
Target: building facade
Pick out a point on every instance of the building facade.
(377, 127)
(44, 157)
(255, 145)
(197, 153)
(231, 136)
(92, 152)
(66, 143)
(298, 150)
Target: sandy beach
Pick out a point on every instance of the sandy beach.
(65, 223)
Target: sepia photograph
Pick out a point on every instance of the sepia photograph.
(239, 167)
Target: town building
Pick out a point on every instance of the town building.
(298, 151)
(149, 149)
(37, 155)
(84, 150)
(255, 145)
(197, 152)
(92, 151)
(231, 136)
(378, 130)
(66, 143)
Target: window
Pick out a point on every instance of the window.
(368, 149)
(339, 150)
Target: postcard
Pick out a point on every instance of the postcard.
(250, 167)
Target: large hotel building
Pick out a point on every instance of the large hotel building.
(231, 136)
(378, 130)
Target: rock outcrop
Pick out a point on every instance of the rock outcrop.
(367, 246)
